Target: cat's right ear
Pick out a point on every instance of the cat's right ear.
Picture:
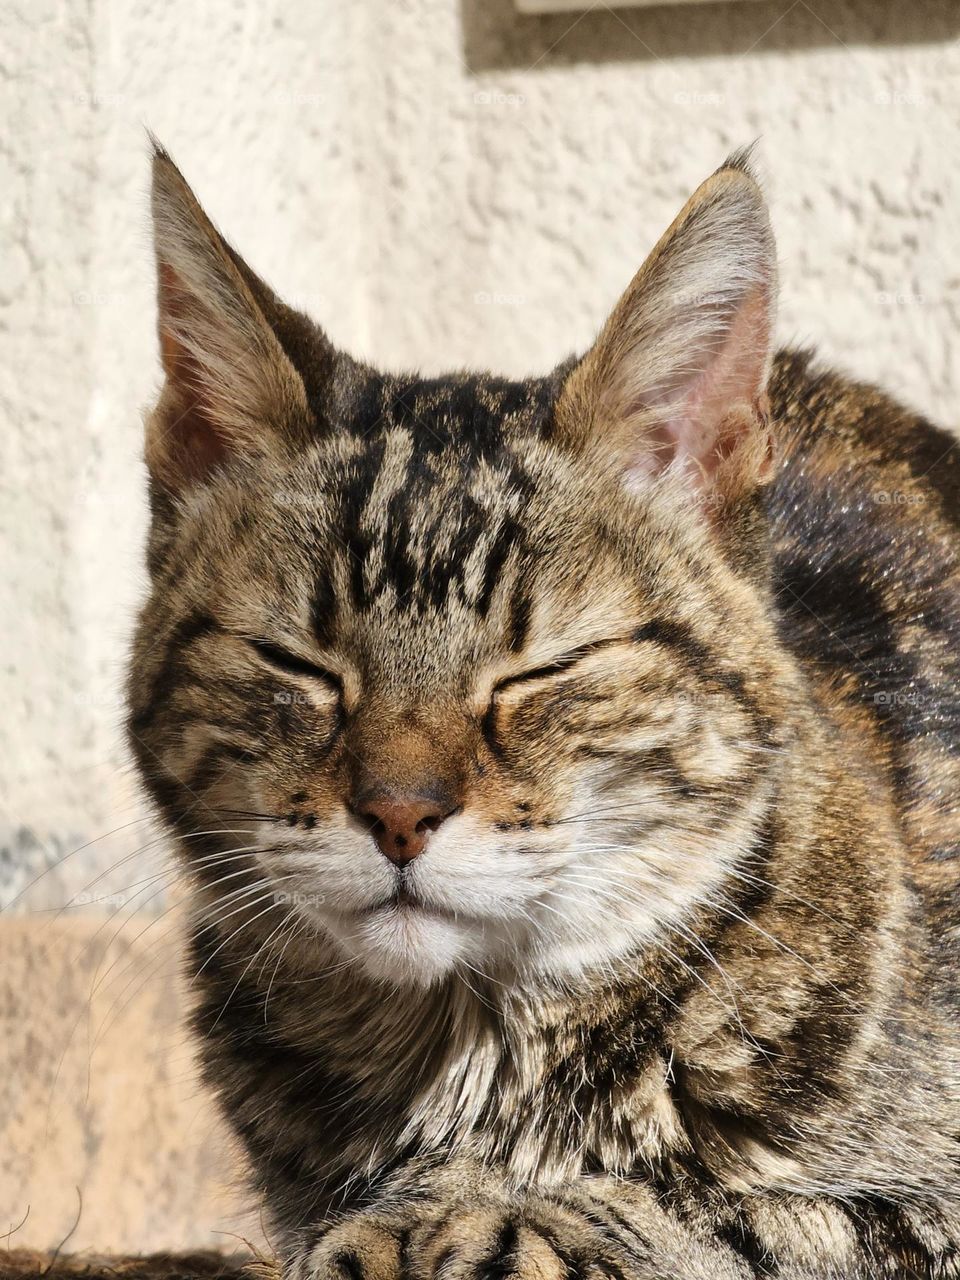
(230, 389)
(676, 381)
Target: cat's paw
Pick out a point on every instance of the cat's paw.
(364, 1246)
(488, 1243)
(538, 1240)
(476, 1240)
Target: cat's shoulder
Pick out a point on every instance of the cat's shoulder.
(842, 430)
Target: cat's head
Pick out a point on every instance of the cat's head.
(468, 672)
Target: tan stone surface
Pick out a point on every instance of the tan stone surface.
(99, 1101)
(24, 1264)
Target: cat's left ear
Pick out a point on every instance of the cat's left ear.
(230, 391)
(677, 377)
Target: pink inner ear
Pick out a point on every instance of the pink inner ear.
(195, 447)
(702, 418)
(192, 443)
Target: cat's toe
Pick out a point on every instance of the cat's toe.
(361, 1247)
(488, 1244)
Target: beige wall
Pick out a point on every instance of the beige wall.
(442, 183)
(106, 1134)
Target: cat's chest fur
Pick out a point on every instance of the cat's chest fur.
(545, 1096)
(505, 1094)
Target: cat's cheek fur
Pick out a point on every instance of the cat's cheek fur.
(475, 889)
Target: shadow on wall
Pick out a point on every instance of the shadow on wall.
(496, 37)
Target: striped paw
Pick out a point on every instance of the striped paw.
(364, 1246)
(480, 1239)
(535, 1241)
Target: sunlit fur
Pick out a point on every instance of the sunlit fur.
(674, 988)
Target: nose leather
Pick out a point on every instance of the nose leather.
(401, 825)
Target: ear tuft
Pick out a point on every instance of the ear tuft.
(230, 388)
(677, 376)
(741, 160)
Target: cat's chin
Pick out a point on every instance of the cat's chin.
(401, 944)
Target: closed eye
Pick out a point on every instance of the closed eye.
(560, 664)
(293, 665)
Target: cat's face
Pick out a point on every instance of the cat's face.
(461, 689)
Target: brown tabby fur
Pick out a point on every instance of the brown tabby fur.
(674, 992)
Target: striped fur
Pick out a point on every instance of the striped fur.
(675, 631)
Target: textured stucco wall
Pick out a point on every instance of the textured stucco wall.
(441, 182)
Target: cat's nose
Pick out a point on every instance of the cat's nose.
(401, 825)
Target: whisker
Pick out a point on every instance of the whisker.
(72, 853)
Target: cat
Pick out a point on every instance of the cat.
(565, 773)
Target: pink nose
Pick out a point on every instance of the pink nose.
(401, 825)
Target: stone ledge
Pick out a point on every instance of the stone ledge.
(25, 1264)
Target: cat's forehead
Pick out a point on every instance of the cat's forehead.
(472, 412)
(428, 486)
(441, 526)
(418, 529)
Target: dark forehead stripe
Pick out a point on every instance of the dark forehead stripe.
(428, 532)
(465, 412)
(323, 608)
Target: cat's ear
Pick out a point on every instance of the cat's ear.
(230, 388)
(677, 376)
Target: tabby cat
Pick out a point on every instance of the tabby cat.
(566, 773)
